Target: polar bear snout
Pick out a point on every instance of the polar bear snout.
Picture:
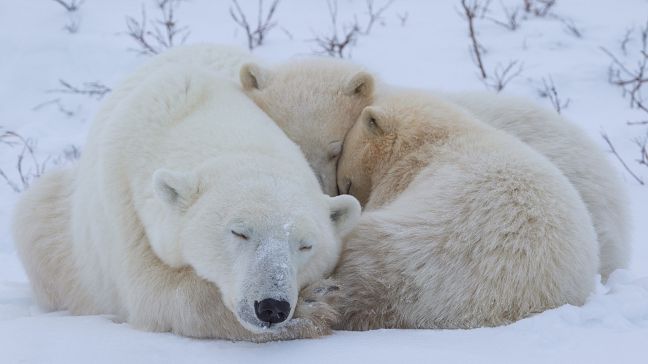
(272, 311)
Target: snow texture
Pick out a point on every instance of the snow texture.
(415, 43)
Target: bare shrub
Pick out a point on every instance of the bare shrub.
(548, 90)
(511, 19)
(340, 40)
(571, 27)
(93, 89)
(74, 20)
(502, 74)
(264, 23)
(623, 163)
(402, 18)
(374, 14)
(165, 32)
(338, 43)
(28, 166)
(632, 78)
(538, 7)
(59, 105)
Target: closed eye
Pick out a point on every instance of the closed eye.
(240, 235)
(305, 248)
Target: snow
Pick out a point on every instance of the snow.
(430, 51)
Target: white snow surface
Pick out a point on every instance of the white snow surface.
(430, 50)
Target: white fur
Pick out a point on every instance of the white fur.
(580, 159)
(179, 160)
(465, 226)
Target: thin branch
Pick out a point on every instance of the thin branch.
(165, 32)
(70, 6)
(470, 13)
(374, 14)
(623, 163)
(255, 37)
(94, 89)
(550, 92)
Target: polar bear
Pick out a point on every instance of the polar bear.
(464, 225)
(190, 211)
(315, 101)
(576, 155)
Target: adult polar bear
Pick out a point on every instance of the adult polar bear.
(190, 211)
(313, 100)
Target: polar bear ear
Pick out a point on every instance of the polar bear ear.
(361, 84)
(345, 212)
(253, 76)
(176, 189)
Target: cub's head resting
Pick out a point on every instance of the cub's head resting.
(315, 102)
(257, 236)
(389, 134)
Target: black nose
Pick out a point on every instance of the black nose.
(272, 311)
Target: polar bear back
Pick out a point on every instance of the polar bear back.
(195, 114)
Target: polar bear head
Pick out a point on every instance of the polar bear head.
(315, 102)
(390, 131)
(256, 234)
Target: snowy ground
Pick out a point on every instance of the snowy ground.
(417, 43)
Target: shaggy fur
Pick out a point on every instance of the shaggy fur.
(315, 102)
(178, 166)
(464, 226)
(576, 155)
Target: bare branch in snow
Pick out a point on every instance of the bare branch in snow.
(538, 7)
(74, 20)
(94, 89)
(511, 19)
(57, 102)
(503, 74)
(471, 9)
(375, 14)
(618, 157)
(403, 18)
(165, 32)
(70, 5)
(550, 92)
(28, 166)
(255, 34)
(336, 44)
(571, 27)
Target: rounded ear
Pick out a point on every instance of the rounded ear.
(253, 76)
(334, 149)
(372, 118)
(175, 189)
(345, 212)
(361, 84)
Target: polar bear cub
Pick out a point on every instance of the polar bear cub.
(464, 225)
(190, 211)
(315, 101)
(576, 155)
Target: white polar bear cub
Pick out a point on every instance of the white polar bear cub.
(190, 211)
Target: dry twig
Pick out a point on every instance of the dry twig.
(623, 163)
(256, 36)
(550, 92)
(165, 33)
(94, 89)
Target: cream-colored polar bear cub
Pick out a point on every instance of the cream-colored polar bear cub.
(576, 155)
(190, 211)
(464, 225)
